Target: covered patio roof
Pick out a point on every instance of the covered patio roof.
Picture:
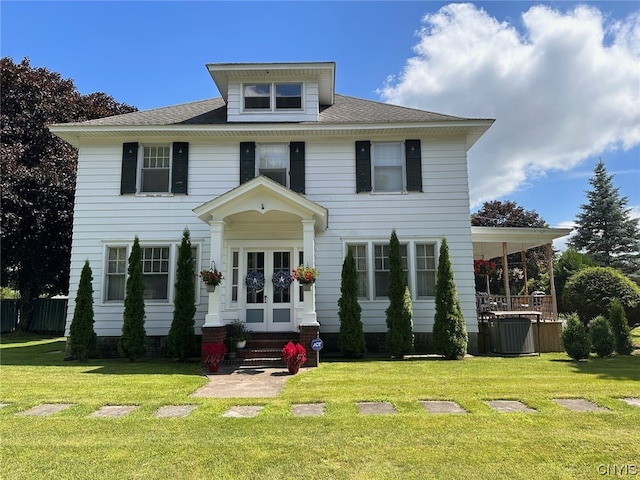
(488, 241)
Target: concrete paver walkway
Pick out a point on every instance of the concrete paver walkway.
(442, 406)
(509, 406)
(579, 405)
(114, 411)
(45, 409)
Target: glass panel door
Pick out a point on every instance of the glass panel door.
(281, 283)
(256, 298)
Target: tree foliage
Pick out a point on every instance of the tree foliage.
(575, 338)
(351, 341)
(620, 328)
(181, 335)
(605, 229)
(38, 176)
(449, 331)
(570, 262)
(82, 337)
(590, 292)
(132, 341)
(399, 337)
(602, 339)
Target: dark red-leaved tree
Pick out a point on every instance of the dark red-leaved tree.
(38, 177)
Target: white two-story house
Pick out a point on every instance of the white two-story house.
(276, 172)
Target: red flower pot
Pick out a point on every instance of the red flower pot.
(293, 367)
(214, 367)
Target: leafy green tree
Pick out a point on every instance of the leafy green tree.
(132, 341)
(602, 340)
(38, 177)
(181, 335)
(82, 338)
(620, 328)
(605, 229)
(351, 339)
(399, 326)
(575, 338)
(591, 291)
(449, 331)
(569, 262)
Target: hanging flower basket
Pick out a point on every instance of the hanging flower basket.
(211, 278)
(305, 275)
(210, 288)
(254, 281)
(484, 267)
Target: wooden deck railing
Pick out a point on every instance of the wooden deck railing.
(540, 303)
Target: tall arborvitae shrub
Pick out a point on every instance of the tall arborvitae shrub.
(351, 339)
(399, 328)
(82, 338)
(181, 335)
(575, 338)
(602, 340)
(132, 341)
(449, 331)
(620, 328)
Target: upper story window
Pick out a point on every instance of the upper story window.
(272, 96)
(387, 171)
(154, 169)
(156, 165)
(274, 162)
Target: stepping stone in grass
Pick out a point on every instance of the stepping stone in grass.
(243, 411)
(45, 409)
(308, 409)
(114, 411)
(579, 405)
(376, 408)
(634, 402)
(442, 406)
(509, 406)
(174, 411)
(2, 405)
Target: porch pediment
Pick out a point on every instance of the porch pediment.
(262, 195)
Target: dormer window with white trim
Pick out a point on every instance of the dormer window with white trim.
(272, 96)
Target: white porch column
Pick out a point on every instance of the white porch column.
(309, 316)
(505, 275)
(552, 282)
(213, 318)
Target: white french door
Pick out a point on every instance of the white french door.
(268, 290)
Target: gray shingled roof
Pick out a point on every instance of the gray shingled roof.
(345, 110)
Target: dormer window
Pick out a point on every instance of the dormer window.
(272, 96)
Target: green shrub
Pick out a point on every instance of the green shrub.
(620, 329)
(181, 335)
(602, 339)
(399, 325)
(575, 338)
(449, 331)
(351, 339)
(132, 341)
(82, 338)
(590, 292)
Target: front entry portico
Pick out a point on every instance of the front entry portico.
(260, 231)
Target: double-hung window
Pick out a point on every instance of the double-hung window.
(116, 273)
(155, 272)
(359, 252)
(154, 169)
(388, 175)
(272, 96)
(381, 268)
(273, 162)
(426, 269)
(156, 166)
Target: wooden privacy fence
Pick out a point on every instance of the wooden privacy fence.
(48, 315)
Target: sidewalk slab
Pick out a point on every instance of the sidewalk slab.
(114, 411)
(442, 406)
(308, 409)
(634, 402)
(246, 382)
(243, 411)
(376, 408)
(174, 411)
(579, 405)
(45, 409)
(510, 406)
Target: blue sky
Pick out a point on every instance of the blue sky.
(562, 80)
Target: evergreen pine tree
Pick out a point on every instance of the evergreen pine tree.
(602, 340)
(82, 338)
(351, 339)
(132, 341)
(449, 331)
(575, 338)
(399, 328)
(605, 230)
(620, 328)
(181, 335)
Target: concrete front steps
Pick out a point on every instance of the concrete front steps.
(263, 349)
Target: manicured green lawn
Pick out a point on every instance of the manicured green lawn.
(412, 444)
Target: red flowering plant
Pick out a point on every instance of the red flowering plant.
(211, 277)
(294, 356)
(213, 354)
(484, 267)
(304, 275)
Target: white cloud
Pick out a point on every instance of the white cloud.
(563, 90)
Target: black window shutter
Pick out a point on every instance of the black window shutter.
(247, 161)
(363, 166)
(414, 165)
(180, 167)
(129, 168)
(296, 166)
